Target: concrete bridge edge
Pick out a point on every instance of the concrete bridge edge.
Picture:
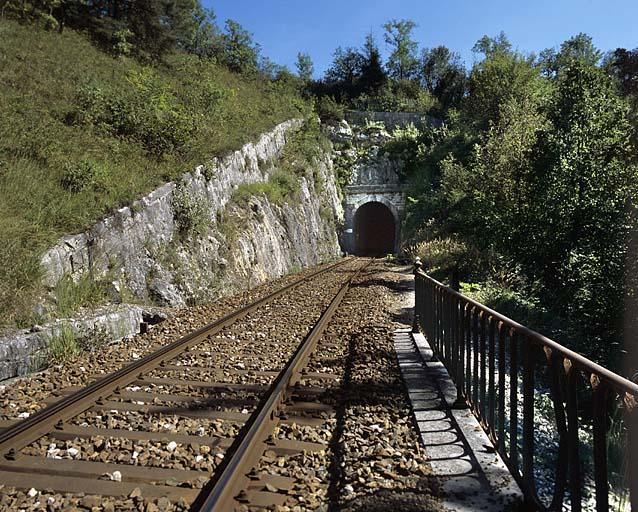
(474, 477)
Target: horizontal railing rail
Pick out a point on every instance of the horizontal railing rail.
(501, 369)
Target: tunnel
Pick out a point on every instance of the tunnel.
(375, 229)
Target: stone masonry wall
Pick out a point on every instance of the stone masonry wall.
(390, 119)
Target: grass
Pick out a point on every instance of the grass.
(280, 187)
(83, 133)
(63, 345)
(299, 159)
(70, 295)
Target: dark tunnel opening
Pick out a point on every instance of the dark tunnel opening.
(374, 228)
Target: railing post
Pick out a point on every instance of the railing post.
(601, 482)
(513, 454)
(575, 478)
(528, 419)
(631, 405)
(459, 353)
(417, 296)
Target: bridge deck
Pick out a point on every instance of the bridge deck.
(473, 476)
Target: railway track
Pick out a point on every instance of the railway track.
(222, 401)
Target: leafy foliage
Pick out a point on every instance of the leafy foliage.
(579, 48)
(240, 53)
(585, 184)
(535, 179)
(357, 77)
(443, 75)
(402, 63)
(192, 214)
(304, 65)
(492, 47)
(83, 133)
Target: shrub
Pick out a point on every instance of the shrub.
(86, 174)
(400, 97)
(122, 45)
(440, 254)
(147, 111)
(63, 345)
(329, 109)
(192, 214)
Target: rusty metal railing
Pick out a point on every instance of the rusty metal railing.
(497, 363)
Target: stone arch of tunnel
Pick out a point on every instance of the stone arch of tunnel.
(375, 230)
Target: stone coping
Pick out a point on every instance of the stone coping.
(473, 475)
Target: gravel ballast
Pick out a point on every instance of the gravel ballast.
(370, 460)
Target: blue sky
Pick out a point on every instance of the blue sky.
(284, 27)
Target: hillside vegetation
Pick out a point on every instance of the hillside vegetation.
(525, 197)
(83, 132)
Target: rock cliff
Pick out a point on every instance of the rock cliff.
(188, 242)
(172, 246)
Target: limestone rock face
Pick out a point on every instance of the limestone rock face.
(187, 242)
(144, 248)
(25, 350)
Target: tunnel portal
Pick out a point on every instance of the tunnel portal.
(375, 230)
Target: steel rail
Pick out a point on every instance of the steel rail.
(16, 437)
(227, 491)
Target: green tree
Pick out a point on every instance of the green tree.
(403, 62)
(158, 27)
(443, 74)
(271, 69)
(493, 46)
(240, 52)
(623, 65)
(343, 76)
(496, 79)
(204, 38)
(579, 48)
(305, 67)
(373, 77)
(579, 224)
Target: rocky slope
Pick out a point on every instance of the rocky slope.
(188, 242)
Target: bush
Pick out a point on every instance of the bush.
(440, 254)
(328, 109)
(148, 112)
(192, 214)
(86, 174)
(521, 305)
(404, 96)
